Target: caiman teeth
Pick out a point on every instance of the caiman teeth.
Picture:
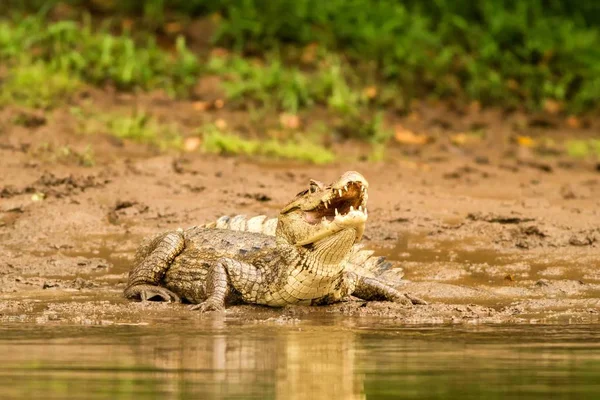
(351, 208)
(340, 192)
(326, 205)
(336, 212)
(346, 188)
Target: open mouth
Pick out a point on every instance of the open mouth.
(339, 203)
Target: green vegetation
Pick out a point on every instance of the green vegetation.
(580, 148)
(56, 51)
(499, 52)
(138, 126)
(142, 128)
(64, 154)
(271, 84)
(216, 141)
(37, 86)
(349, 62)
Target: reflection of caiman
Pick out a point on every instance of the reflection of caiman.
(310, 258)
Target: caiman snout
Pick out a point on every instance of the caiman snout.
(348, 177)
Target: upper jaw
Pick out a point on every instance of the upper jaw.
(351, 187)
(338, 203)
(348, 195)
(343, 206)
(348, 177)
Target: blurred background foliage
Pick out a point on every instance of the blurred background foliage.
(498, 52)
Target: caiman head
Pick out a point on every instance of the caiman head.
(326, 217)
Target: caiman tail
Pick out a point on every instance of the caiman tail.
(258, 224)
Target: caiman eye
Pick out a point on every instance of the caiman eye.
(315, 186)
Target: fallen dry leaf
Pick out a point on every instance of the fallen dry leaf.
(414, 116)
(219, 103)
(574, 122)
(405, 136)
(525, 141)
(512, 84)
(127, 24)
(173, 27)
(475, 106)
(104, 5)
(221, 124)
(191, 144)
(309, 53)
(219, 52)
(39, 196)
(463, 138)
(552, 106)
(201, 105)
(370, 92)
(289, 121)
(276, 134)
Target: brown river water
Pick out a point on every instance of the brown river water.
(329, 358)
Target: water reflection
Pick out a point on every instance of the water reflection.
(216, 359)
(257, 362)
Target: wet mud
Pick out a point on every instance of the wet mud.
(494, 242)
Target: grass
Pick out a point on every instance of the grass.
(142, 128)
(46, 67)
(268, 85)
(271, 84)
(34, 49)
(36, 85)
(138, 126)
(265, 85)
(581, 148)
(216, 141)
(64, 154)
(496, 52)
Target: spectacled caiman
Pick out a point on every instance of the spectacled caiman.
(308, 255)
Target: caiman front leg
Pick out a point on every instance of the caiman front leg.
(373, 289)
(227, 276)
(151, 263)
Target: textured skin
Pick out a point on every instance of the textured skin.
(260, 261)
(360, 260)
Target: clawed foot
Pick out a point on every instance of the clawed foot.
(409, 300)
(147, 292)
(208, 305)
(415, 300)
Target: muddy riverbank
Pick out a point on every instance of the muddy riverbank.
(500, 241)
